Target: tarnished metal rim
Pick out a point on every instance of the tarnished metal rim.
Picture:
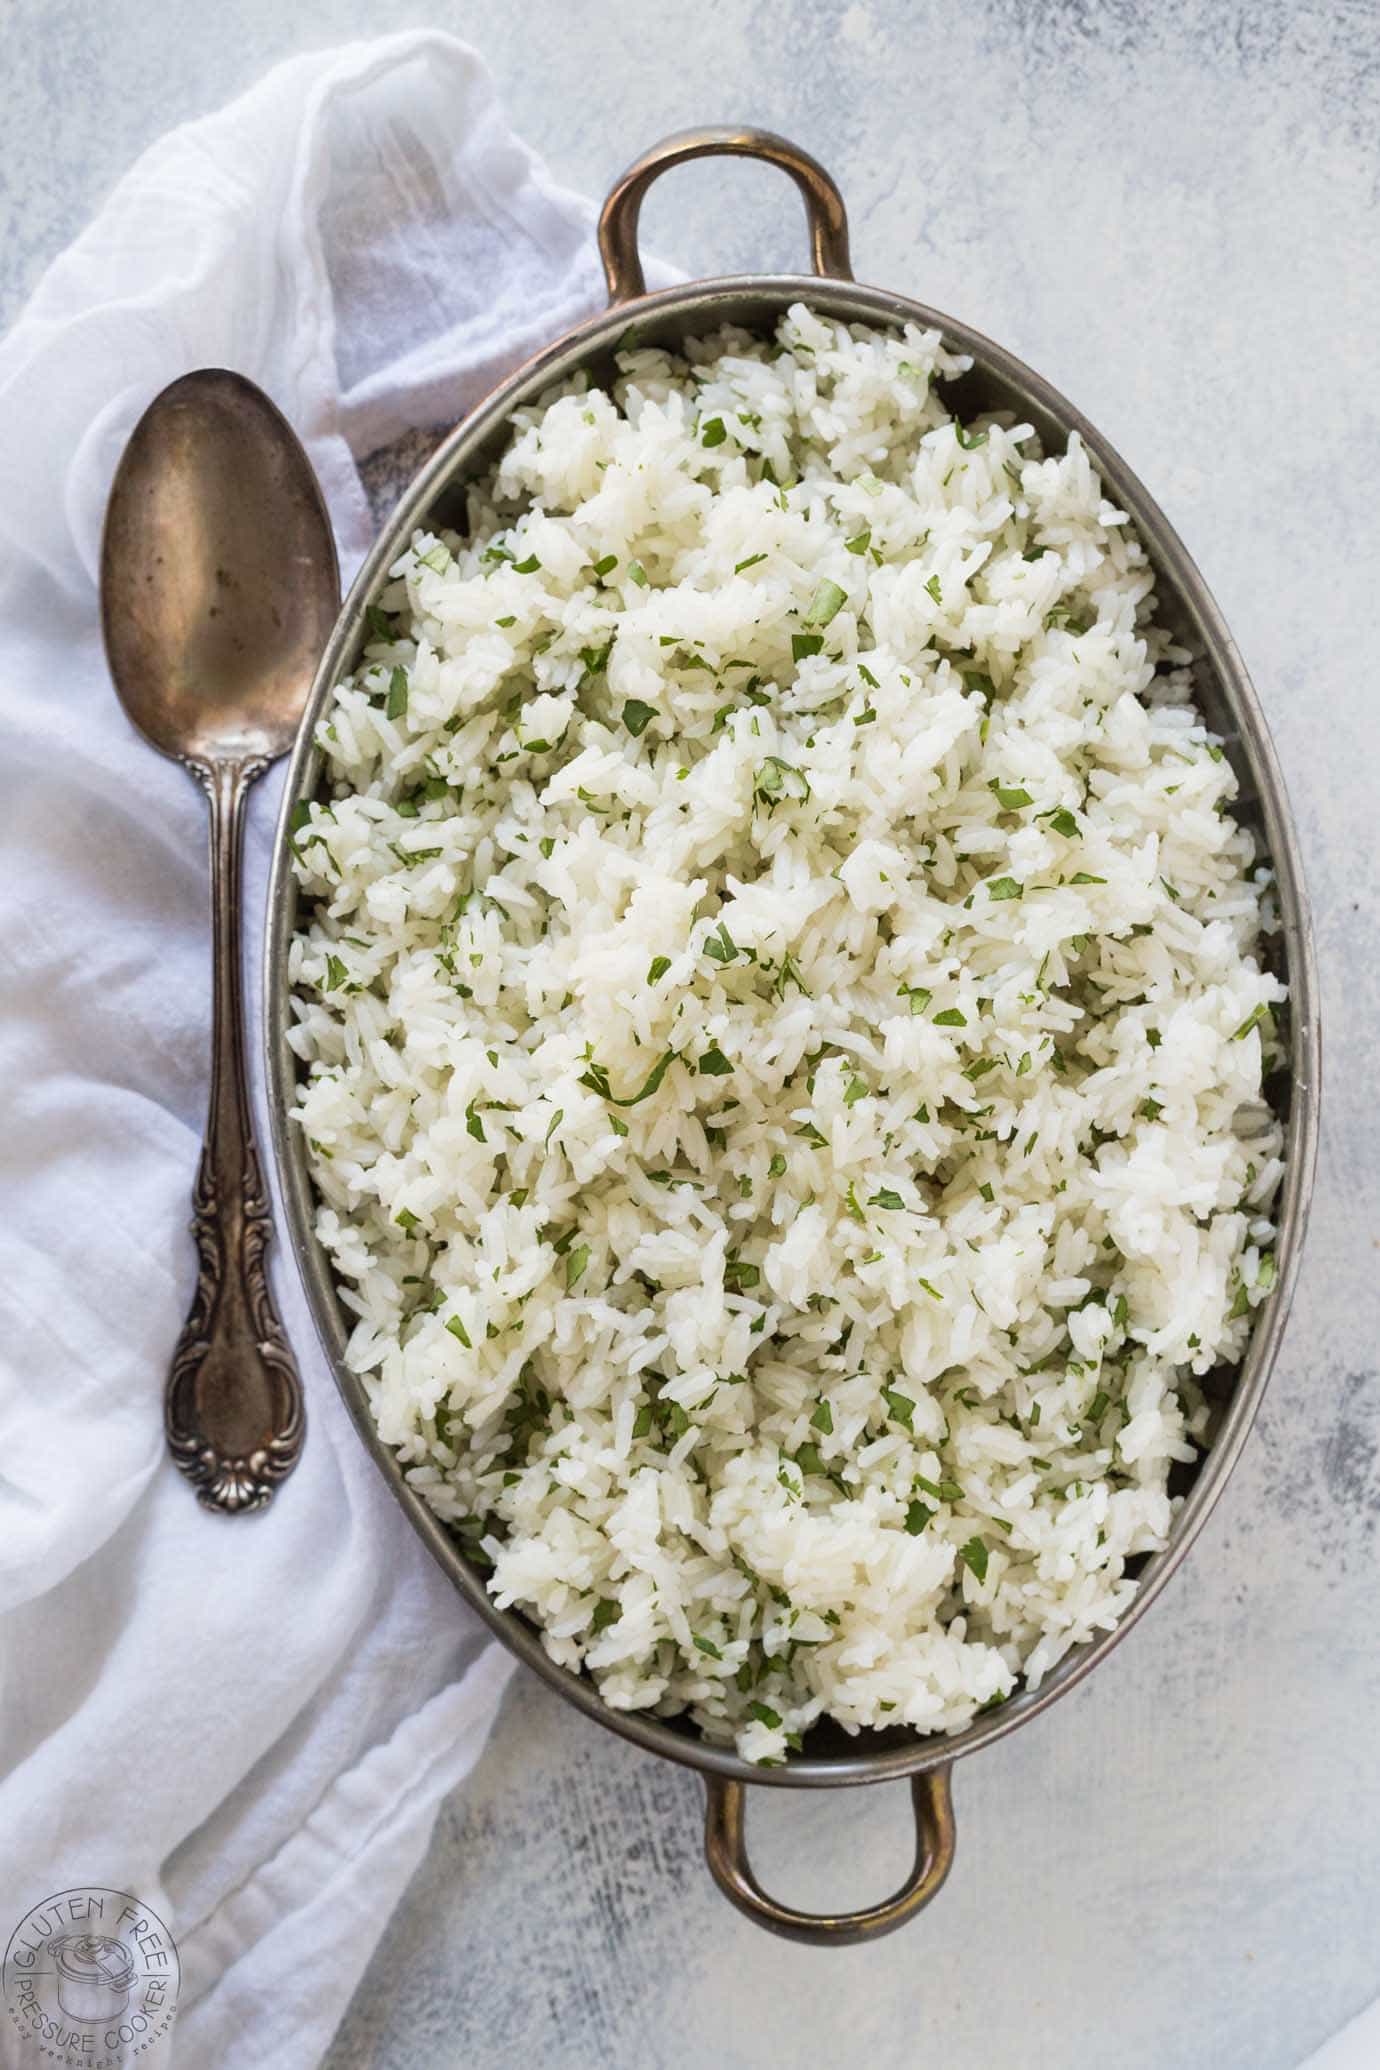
(757, 300)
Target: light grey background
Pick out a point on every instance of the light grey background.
(1172, 212)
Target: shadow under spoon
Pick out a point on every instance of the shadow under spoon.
(219, 589)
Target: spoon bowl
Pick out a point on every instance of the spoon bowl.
(218, 574)
(219, 589)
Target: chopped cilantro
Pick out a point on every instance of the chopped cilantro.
(899, 1406)
(596, 1078)
(826, 603)
(773, 779)
(720, 946)
(575, 1263)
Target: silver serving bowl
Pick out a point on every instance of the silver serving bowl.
(1223, 692)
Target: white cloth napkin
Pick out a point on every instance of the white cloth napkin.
(247, 1723)
(1356, 2047)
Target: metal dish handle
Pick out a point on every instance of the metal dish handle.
(824, 209)
(725, 1850)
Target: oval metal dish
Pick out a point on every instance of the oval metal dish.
(1224, 694)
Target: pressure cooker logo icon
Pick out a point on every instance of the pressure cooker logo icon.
(91, 1976)
(94, 1975)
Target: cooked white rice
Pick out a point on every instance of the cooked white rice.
(836, 1365)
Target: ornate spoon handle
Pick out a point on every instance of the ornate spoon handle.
(234, 1402)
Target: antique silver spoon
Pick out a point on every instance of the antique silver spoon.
(219, 588)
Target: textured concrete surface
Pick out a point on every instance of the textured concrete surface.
(1171, 211)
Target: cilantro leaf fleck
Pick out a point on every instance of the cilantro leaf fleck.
(826, 603)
